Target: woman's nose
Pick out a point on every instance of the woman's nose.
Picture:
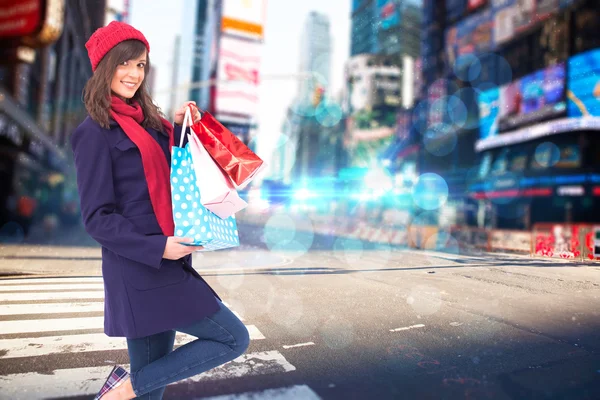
(133, 73)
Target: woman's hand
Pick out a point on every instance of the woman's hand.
(181, 112)
(174, 250)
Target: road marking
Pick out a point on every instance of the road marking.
(254, 333)
(51, 308)
(298, 345)
(251, 364)
(44, 287)
(234, 312)
(293, 392)
(50, 325)
(68, 344)
(96, 294)
(25, 281)
(88, 381)
(407, 328)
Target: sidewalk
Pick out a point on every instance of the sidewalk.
(66, 251)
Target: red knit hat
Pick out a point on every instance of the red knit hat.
(105, 38)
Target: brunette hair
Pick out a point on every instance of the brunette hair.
(97, 92)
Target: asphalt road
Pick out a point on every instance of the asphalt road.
(370, 323)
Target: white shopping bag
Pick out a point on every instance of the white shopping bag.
(217, 192)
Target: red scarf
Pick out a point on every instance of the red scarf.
(156, 168)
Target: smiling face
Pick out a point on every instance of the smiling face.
(128, 77)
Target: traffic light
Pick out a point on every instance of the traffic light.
(317, 96)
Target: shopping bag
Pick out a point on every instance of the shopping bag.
(217, 192)
(192, 219)
(235, 158)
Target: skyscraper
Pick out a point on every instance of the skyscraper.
(315, 56)
(194, 58)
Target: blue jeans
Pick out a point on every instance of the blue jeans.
(221, 337)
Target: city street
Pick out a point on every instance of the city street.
(374, 324)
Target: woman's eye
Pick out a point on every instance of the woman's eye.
(141, 65)
(124, 63)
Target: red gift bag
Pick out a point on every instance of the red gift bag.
(235, 158)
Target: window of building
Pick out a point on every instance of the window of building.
(570, 156)
(518, 161)
(500, 163)
(586, 28)
(486, 163)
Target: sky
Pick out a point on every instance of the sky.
(161, 22)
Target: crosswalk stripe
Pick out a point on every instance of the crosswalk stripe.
(96, 294)
(51, 308)
(45, 287)
(297, 392)
(25, 281)
(50, 325)
(87, 381)
(68, 344)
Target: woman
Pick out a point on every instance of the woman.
(122, 158)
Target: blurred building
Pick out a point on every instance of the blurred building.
(315, 56)
(43, 69)
(514, 97)
(380, 75)
(195, 52)
(222, 72)
(299, 157)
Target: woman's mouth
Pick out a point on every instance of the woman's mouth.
(129, 84)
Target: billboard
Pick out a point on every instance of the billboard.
(524, 17)
(20, 18)
(504, 20)
(489, 108)
(535, 97)
(472, 35)
(238, 76)
(388, 14)
(244, 17)
(38, 22)
(584, 84)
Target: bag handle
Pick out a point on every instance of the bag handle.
(187, 116)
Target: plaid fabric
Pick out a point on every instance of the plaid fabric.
(116, 377)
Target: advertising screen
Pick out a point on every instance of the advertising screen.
(524, 17)
(388, 13)
(472, 35)
(535, 97)
(504, 16)
(19, 18)
(238, 75)
(244, 17)
(583, 92)
(570, 156)
(489, 107)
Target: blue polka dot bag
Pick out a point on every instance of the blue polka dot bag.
(192, 219)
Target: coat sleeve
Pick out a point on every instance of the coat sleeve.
(104, 224)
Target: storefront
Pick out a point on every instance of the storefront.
(33, 168)
(552, 177)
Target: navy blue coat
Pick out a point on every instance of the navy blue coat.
(144, 293)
